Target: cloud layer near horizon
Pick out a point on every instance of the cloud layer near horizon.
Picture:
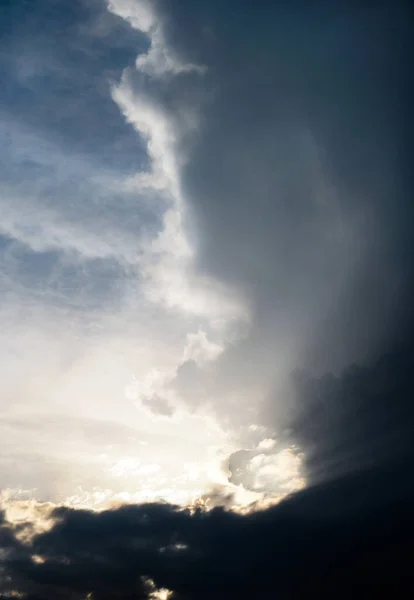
(349, 537)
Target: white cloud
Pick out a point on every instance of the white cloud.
(200, 349)
(160, 60)
(279, 472)
(266, 444)
(139, 14)
(167, 260)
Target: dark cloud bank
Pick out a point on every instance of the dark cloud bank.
(345, 539)
(299, 182)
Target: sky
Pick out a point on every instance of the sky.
(205, 278)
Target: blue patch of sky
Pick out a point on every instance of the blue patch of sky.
(89, 285)
(65, 146)
(57, 65)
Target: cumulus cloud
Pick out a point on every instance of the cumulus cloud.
(160, 59)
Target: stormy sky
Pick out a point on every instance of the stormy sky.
(206, 267)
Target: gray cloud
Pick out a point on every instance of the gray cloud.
(159, 406)
(293, 181)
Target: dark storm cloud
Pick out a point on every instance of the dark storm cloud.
(349, 537)
(298, 182)
(360, 419)
(300, 190)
